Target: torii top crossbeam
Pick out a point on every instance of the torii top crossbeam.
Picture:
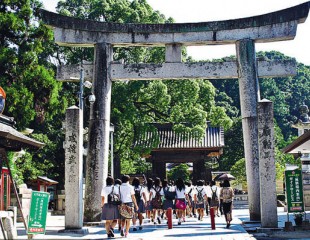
(275, 26)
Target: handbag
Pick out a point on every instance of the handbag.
(179, 204)
(125, 211)
(114, 198)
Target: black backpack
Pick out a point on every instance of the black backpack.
(138, 194)
(199, 196)
(169, 195)
(214, 199)
(114, 198)
(156, 201)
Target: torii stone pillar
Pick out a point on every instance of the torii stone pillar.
(249, 95)
(98, 137)
(267, 165)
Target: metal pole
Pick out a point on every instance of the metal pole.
(112, 163)
(81, 102)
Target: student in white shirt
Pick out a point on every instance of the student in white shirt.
(141, 201)
(180, 202)
(110, 211)
(127, 194)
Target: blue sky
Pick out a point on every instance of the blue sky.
(206, 10)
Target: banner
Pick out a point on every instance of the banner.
(38, 212)
(294, 191)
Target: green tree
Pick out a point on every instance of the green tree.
(27, 76)
(238, 170)
(188, 104)
(180, 171)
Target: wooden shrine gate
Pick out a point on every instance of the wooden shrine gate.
(175, 147)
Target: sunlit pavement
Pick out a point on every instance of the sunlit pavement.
(190, 229)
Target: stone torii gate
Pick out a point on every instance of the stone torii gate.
(244, 33)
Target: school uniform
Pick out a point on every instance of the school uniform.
(109, 211)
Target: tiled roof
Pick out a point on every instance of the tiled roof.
(12, 140)
(165, 138)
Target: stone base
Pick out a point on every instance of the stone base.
(288, 227)
(93, 223)
(81, 231)
(268, 230)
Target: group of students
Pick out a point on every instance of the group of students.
(154, 197)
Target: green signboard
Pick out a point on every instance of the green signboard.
(38, 212)
(294, 193)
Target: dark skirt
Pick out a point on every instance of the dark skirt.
(130, 204)
(141, 207)
(199, 205)
(168, 204)
(109, 212)
(227, 207)
(149, 206)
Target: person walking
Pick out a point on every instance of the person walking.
(169, 196)
(156, 194)
(200, 199)
(110, 211)
(227, 194)
(141, 201)
(117, 184)
(209, 196)
(127, 195)
(190, 189)
(149, 186)
(180, 202)
(215, 198)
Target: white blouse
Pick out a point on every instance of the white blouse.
(180, 194)
(126, 191)
(107, 190)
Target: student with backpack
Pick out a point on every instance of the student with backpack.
(209, 195)
(149, 186)
(110, 212)
(227, 193)
(215, 198)
(200, 198)
(169, 196)
(141, 201)
(191, 192)
(156, 194)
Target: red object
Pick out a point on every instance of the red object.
(180, 204)
(212, 215)
(169, 216)
(5, 189)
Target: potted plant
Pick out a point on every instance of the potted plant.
(298, 218)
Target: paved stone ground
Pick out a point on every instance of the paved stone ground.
(191, 229)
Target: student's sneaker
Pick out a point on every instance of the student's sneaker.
(195, 215)
(198, 217)
(122, 233)
(179, 223)
(140, 228)
(112, 233)
(158, 219)
(134, 229)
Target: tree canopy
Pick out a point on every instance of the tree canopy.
(28, 59)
